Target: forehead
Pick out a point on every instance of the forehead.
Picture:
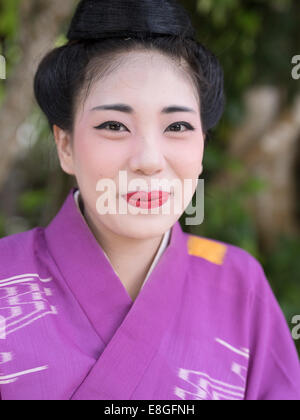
(144, 76)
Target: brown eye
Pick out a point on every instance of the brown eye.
(111, 126)
(181, 124)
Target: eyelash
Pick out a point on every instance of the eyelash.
(102, 126)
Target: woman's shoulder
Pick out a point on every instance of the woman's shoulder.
(18, 240)
(18, 250)
(218, 252)
(228, 264)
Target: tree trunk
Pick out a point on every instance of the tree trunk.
(40, 23)
(266, 144)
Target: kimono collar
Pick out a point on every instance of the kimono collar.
(164, 243)
(93, 281)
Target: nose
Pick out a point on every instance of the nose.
(148, 159)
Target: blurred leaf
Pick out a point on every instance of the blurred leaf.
(8, 17)
(61, 40)
(32, 202)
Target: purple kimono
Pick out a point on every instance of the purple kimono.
(205, 325)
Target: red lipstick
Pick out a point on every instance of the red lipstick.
(147, 200)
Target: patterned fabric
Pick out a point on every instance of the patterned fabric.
(205, 326)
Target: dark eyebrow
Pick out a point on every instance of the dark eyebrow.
(129, 110)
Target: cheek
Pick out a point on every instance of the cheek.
(188, 169)
(189, 159)
(97, 158)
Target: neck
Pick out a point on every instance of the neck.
(130, 258)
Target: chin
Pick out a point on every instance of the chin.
(141, 227)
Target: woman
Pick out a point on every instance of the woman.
(111, 304)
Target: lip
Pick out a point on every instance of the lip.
(145, 200)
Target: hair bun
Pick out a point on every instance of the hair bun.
(94, 19)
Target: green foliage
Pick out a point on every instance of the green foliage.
(9, 29)
(254, 41)
(61, 40)
(32, 202)
(227, 217)
(8, 17)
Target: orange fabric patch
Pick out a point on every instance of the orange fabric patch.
(207, 249)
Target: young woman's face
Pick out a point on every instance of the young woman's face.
(111, 148)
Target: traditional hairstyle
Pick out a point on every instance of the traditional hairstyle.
(102, 29)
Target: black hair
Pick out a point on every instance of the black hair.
(99, 33)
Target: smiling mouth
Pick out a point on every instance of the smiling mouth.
(147, 200)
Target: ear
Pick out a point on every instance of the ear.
(64, 149)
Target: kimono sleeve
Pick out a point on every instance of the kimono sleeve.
(274, 368)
